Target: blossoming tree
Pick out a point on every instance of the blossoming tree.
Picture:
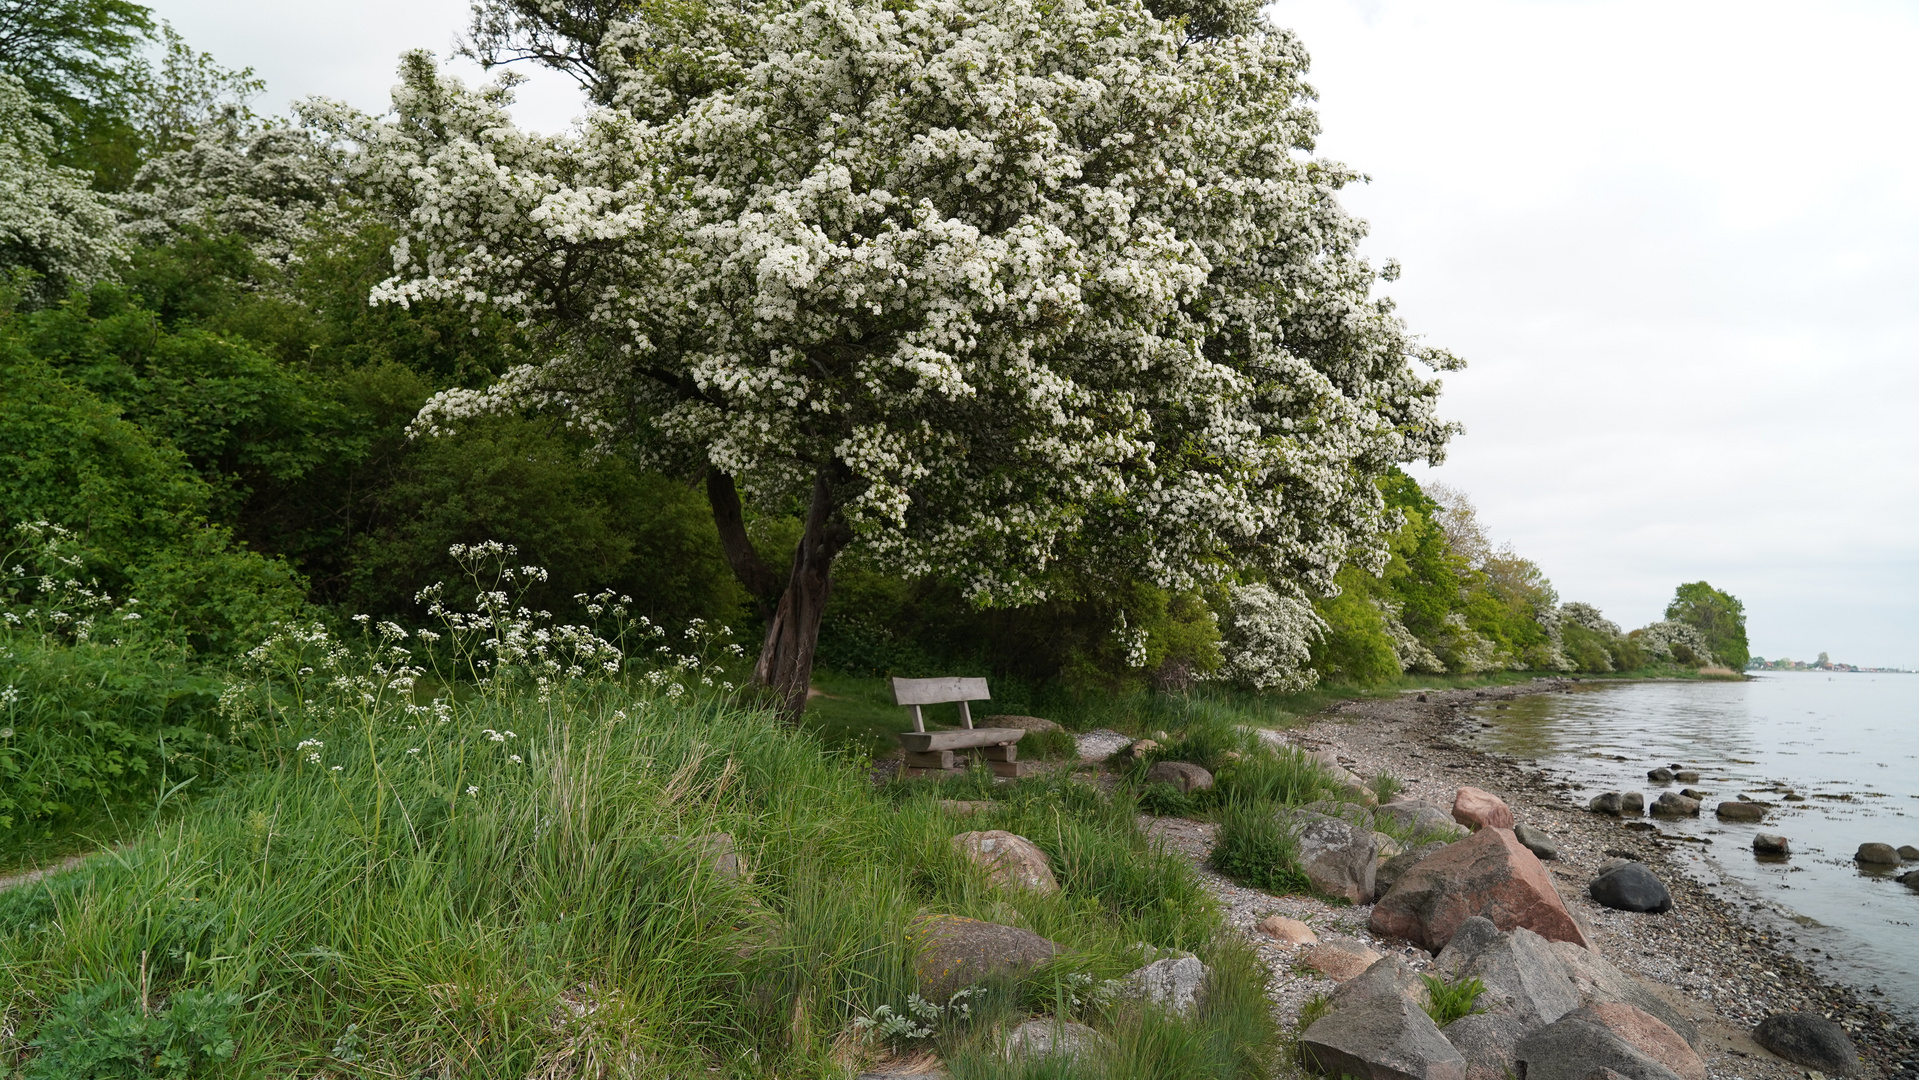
(987, 287)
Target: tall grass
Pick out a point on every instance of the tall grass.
(530, 878)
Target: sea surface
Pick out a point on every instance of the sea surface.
(1848, 743)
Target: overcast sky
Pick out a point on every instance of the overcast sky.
(1677, 242)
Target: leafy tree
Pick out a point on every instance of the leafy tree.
(984, 325)
(72, 56)
(52, 224)
(1717, 615)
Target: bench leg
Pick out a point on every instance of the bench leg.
(936, 759)
(1004, 752)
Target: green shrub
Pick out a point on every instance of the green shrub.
(1258, 850)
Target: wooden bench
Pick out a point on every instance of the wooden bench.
(923, 749)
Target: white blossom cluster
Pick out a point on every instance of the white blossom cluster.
(272, 184)
(1411, 653)
(1267, 639)
(1024, 282)
(1588, 616)
(1659, 638)
(52, 222)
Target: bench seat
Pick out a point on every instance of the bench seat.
(959, 739)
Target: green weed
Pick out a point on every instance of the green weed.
(1258, 850)
(1447, 1001)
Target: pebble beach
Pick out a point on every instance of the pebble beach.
(1720, 968)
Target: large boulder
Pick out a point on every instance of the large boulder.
(1770, 844)
(1631, 887)
(1488, 874)
(1809, 1039)
(1384, 1037)
(1598, 982)
(1036, 1040)
(1608, 803)
(1339, 857)
(1661, 775)
(1388, 977)
(1877, 855)
(1391, 870)
(1578, 1043)
(1183, 775)
(955, 953)
(1523, 976)
(1908, 853)
(1175, 984)
(1010, 860)
(1632, 804)
(1650, 1036)
(1417, 818)
(1479, 809)
(1487, 1041)
(1673, 804)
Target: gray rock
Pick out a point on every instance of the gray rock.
(1536, 842)
(1686, 776)
(1175, 984)
(1388, 977)
(955, 953)
(1036, 1040)
(1393, 869)
(1809, 1039)
(1383, 1037)
(1487, 1042)
(1339, 857)
(1673, 804)
(1771, 844)
(1417, 818)
(1741, 811)
(1631, 887)
(1575, 1045)
(1100, 744)
(1661, 775)
(1908, 852)
(1877, 855)
(1183, 775)
(1607, 803)
(1694, 793)
(1632, 804)
(1599, 982)
(1522, 973)
(1009, 860)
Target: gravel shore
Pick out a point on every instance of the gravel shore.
(1721, 970)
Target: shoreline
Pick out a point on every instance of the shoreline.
(1719, 967)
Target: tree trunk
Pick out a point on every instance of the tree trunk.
(759, 579)
(785, 667)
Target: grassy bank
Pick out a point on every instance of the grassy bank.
(533, 880)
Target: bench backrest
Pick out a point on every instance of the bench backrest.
(913, 693)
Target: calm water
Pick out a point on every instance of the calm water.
(1849, 743)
